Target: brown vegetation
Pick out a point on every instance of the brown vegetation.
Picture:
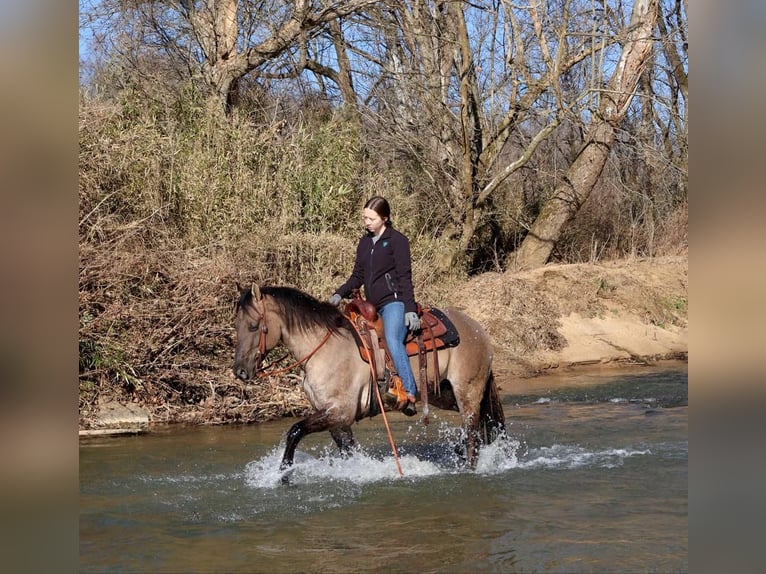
(157, 326)
(167, 228)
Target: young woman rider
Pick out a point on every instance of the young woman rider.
(384, 267)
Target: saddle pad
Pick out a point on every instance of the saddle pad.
(444, 330)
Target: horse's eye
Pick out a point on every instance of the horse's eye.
(253, 328)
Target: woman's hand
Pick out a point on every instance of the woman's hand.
(334, 300)
(412, 321)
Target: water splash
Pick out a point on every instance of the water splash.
(423, 457)
(419, 459)
(362, 467)
(500, 456)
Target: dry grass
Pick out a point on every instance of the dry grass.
(156, 327)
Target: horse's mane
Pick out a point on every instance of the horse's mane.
(299, 310)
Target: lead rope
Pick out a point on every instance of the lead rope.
(388, 429)
(374, 376)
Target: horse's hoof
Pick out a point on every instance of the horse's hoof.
(409, 409)
(286, 472)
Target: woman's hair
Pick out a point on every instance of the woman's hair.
(380, 206)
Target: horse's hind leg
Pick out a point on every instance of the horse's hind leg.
(344, 438)
(472, 441)
(315, 422)
(472, 448)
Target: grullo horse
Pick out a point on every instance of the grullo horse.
(338, 382)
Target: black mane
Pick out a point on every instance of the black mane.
(299, 310)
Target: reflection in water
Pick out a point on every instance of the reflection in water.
(576, 486)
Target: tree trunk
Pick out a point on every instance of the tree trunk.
(214, 26)
(584, 172)
(345, 82)
(471, 129)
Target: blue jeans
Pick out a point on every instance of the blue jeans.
(396, 331)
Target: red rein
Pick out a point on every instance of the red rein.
(262, 371)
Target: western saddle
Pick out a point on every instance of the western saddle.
(436, 332)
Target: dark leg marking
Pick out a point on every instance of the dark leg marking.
(315, 422)
(344, 438)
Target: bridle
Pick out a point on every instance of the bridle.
(261, 371)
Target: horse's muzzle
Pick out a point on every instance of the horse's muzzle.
(241, 373)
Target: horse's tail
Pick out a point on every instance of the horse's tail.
(492, 418)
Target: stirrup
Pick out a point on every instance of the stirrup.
(393, 397)
(390, 399)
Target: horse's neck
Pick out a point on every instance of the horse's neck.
(300, 343)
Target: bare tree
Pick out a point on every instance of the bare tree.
(219, 42)
(458, 82)
(458, 97)
(584, 172)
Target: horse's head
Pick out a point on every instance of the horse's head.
(256, 334)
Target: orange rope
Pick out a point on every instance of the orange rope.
(374, 376)
(388, 429)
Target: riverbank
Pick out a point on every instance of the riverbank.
(568, 316)
(557, 317)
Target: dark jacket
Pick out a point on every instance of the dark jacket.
(385, 270)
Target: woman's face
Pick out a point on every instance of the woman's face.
(372, 221)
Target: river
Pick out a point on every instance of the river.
(591, 477)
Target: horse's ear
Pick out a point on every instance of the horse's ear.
(239, 287)
(256, 291)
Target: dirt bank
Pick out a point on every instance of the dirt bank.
(556, 317)
(569, 315)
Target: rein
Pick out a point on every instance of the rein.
(261, 371)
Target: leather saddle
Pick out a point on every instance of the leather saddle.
(436, 332)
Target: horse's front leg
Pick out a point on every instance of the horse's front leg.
(344, 438)
(318, 421)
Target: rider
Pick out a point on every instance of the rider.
(383, 265)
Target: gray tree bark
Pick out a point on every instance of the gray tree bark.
(214, 24)
(586, 169)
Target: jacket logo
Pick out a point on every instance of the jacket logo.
(385, 243)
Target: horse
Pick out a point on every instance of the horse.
(338, 382)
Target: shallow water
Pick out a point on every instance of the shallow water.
(592, 477)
